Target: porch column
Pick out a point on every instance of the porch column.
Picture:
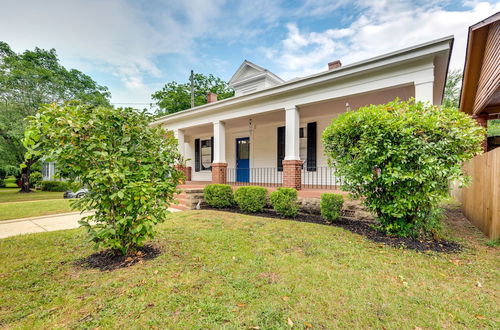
(182, 166)
(179, 135)
(219, 164)
(424, 91)
(292, 164)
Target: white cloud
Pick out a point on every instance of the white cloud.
(115, 37)
(383, 26)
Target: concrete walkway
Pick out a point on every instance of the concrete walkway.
(46, 223)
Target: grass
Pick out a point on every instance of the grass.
(33, 208)
(221, 270)
(494, 127)
(12, 195)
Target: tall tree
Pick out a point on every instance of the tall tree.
(452, 89)
(174, 97)
(27, 81)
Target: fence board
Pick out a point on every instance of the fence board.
(481, 199)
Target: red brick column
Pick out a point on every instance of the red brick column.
(292, 176)
(482, 120)
(186, 170)
(219, 173)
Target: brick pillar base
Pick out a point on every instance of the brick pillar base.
(482, 120)
(219, 173)
(186, 170)
(292, 174)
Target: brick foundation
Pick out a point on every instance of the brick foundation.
(219, 173)
(292, 174)
(482, 120)
(186, 170)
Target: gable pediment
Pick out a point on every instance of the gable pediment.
(250, 77)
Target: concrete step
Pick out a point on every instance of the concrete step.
(180, 207)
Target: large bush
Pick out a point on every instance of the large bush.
(330, 206)
(219, 195)
(401, 156)
(127, 165)
(35, 179)
(251, 199)
(54, 186)
(284, 202)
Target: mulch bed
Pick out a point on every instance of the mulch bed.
(108, 260)
(364, 228)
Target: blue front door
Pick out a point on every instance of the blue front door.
(243, 159)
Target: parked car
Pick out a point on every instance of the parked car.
(77, 194)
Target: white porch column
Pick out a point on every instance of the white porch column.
(292, 139)
(179, 135)
(219, 142)
(424, 91)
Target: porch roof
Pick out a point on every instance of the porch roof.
(424, 50)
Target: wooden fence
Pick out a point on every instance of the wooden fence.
(481, 199)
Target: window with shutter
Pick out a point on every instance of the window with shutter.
(281, 147)
(311, 146)
(197, 155)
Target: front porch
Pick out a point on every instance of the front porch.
(278, 148)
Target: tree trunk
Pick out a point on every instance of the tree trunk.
(25, 178)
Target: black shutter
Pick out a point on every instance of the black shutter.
(211, 151)
(197, 161)
(281, 147)
(311, 146)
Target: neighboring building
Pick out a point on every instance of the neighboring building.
(270, 131)
(480, 96)
(48, 171)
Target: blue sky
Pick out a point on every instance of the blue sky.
(135, 47)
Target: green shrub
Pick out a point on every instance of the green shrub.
(400, 157)
(54, 185)
(251, 199)
(330, 206)
(219, 195)
(127, 165)
(35, 179)
(284, 202)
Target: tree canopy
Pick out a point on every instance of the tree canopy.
(27, 81)
(174, 97)
(400, 157)
(452, 89)
(127, 165)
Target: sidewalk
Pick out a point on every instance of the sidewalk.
(46, 223)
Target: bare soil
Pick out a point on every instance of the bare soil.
(108, 260)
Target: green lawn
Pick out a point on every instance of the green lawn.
(33, 209)
(221, 270)
(12, 195)
(494, 127)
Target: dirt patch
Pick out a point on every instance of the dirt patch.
(108, 260)
(366, 229)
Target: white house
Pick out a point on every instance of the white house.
(270, 131)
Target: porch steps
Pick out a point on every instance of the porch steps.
(187, 199)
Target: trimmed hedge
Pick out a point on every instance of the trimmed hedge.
(54, 186)
(330, 206)
(284, 202)
(251, 199)
(219, 195)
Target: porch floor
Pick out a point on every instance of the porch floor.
(305, 192)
